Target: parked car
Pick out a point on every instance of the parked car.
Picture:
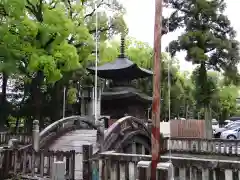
(215, 124)
(226, 122)
(217, 132)
(233, 133)
(234, 118)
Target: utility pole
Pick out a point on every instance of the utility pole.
(64, 101)
(155, 137)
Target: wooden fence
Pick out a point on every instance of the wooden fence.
(187, 128)
(23, 139)
(28, 163)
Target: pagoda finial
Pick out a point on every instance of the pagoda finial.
(122, 47)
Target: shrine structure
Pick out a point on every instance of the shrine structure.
(119, 96)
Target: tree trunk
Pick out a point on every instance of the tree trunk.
(16, 130)
(208, 122)
(37, 97)
(4, 112)
(56, 102)
(205, 100)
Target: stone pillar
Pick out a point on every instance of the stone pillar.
(35, 135)
(144, 170)
(165, 170)
(100, 134)
(58, 171)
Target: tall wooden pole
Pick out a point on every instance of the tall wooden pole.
(155, 137)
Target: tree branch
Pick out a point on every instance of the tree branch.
(94, 10)
(3, 11)
(101, 29)
(48, 43)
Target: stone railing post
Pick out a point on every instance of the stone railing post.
(100, 134)
(58, 172)
(144, 170)
(165, 170)
(35, 135)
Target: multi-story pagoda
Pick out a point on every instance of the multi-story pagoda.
(119, 98)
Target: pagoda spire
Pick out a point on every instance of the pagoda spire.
(122, 47)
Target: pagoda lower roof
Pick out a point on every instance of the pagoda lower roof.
(120, 69)
(124, 93)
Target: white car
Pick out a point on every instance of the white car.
(233, 133)
(217, 132)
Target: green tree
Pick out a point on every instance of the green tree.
(49, 42)
(209, 41)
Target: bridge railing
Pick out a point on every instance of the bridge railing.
(60, 127)
(112, 165)
(204, 146)
(29, 163)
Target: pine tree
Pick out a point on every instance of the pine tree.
(208, 39)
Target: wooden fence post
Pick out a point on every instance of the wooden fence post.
(87, 155)
(7, 162)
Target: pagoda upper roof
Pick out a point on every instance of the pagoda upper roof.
(121, 69)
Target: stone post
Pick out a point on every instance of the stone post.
(144, 170)
(58, 171)
(165, 170)
(100, 134)
(35, 135)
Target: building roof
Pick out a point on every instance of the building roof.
(124, 92)
(121, 69)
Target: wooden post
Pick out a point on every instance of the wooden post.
(58, 172)
(87, 154)
(156, 89)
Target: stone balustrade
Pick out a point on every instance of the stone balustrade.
(203, 146)
(121, 166)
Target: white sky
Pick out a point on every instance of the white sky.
(140, 20)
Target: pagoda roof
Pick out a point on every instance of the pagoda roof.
(121, 69)
(124, 92)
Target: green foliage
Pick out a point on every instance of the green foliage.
(209, 38)
(50, 43)
(72, 95)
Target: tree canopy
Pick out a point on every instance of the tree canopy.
(209, 40)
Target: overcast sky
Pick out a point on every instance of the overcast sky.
(140, 20)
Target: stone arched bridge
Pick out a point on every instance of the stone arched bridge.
(128, 135)
(72, 132)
